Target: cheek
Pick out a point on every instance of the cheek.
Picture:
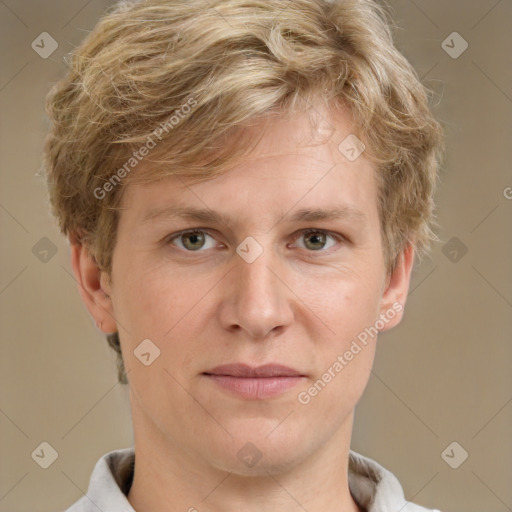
(350, 350)
(172, 309)
(344, 304)
(346, 310)
(158, 304)
(166, 309)
(345, 356)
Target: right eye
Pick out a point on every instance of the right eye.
(191, 241)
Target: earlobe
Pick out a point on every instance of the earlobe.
(395, 294)
(93, 288)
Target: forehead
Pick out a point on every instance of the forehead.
(297, 165)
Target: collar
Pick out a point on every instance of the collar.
(374, 488)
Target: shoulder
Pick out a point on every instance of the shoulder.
(82, 505)
(109, 484)
(377, 489)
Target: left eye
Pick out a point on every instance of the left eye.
(315, 238)
(195, 240)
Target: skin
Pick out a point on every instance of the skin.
(209, 307)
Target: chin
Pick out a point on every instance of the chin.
(259, 463)
(261, 450)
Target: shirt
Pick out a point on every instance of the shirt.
(374, 488)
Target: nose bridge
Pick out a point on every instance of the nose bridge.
(260, 301)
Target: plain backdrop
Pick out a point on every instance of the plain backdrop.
(442, 376)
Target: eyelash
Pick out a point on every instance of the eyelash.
(339, 238)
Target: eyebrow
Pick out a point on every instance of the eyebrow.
(344, 212)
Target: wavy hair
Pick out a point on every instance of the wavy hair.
(238, 60)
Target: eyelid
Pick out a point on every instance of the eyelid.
(339, 238)
(336, 236)
(169, 239)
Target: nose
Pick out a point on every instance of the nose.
(256, 299)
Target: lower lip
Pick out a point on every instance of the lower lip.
(257, 387)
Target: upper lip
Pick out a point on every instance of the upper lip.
(245, 370)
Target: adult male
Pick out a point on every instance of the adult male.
(245, 185)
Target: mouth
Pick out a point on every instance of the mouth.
(246, 371)
(255, 383)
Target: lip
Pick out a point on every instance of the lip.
(255, 383)
(247, 371)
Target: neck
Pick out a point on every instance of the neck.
(169, 478)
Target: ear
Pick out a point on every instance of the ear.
(396, 289)
(93, 285)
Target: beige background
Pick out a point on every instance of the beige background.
(443, 375)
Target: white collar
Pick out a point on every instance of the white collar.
(373, 487)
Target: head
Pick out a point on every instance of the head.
(243, 108)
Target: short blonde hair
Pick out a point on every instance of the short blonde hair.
(190, 78)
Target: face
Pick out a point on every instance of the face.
(265, 282)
